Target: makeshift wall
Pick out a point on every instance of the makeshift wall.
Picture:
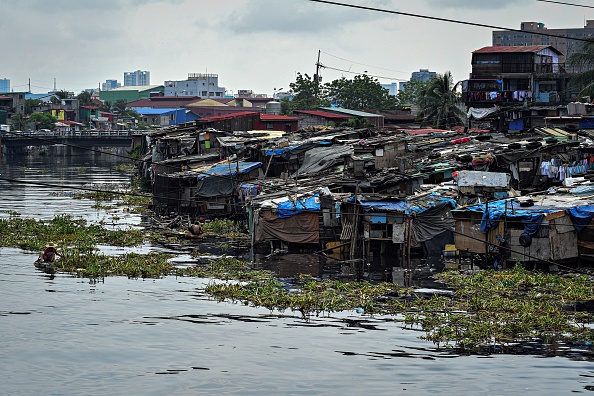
(300, 228)
(468, 236)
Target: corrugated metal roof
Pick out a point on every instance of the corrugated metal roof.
(355, 113)
(151, 111)
(275, 117)
(516, 48)
(162, 102)
(325, 114)
(135, 88)
(228, 116)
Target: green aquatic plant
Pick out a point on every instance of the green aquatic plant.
(66, 230)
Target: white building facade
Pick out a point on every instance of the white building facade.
(197, 84)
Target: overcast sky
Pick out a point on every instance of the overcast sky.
(251, 44)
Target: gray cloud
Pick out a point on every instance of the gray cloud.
(475, 4)
(303, 17)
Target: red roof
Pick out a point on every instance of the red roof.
(163, 101)
(516, 49)
(275, 117)
(324, 114)
(228, 116)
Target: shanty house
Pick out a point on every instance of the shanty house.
(514, 87)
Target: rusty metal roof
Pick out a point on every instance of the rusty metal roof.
(516, 49)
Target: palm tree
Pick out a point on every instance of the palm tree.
(439, 103)
(583, 60)
(18, 122)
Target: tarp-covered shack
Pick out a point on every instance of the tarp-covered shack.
(541, 228)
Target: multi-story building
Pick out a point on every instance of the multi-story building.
(137, 78)
(110, 84)
(514, 88)
(392, 88)
(423, 75)
(197, 84)
(564, 43)
(4, 85)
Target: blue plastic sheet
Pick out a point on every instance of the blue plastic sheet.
(430, 201)
(581, 215)
(231, 169)
(532, 218)
(288, 208)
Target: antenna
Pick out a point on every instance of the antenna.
(55, 90)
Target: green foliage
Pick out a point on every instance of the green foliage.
(43, 120)
(583, 60)
(307, 94)
(439, 103)
(59, 96)
(18, 122)
(360, 93)
(84, 98)
(65, 230)
(409, 95)
(105, 106)
(219, 226)
(30, 103)
(357, 123)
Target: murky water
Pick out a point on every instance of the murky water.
(69, 336)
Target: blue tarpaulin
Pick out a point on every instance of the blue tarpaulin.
(288, 208)
(581, 215)
(406, 207)
(230, 169)
(532, 218)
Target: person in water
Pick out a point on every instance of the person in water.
(49, 253)
(195, 229)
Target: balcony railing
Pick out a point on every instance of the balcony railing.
(498, 68)
(512, 97)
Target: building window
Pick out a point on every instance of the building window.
(270, 126)
(203, 93)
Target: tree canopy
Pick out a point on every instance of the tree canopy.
(84, 98)
(307, 94)
(18, 122)
(360, 93)
(439, 101)
(43, 120)
(583, 60)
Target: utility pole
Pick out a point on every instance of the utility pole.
(317, 75)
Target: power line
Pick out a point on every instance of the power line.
(370, 75)
(362, 64)
(563, 3)
(446, 20)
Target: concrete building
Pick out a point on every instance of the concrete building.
(423, 75)
(4, 85)
(110, 84)
(392, 88)
(197, 84)
(514, 88)
(530, 36)
(137, 78)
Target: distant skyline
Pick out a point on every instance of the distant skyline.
(258, 45)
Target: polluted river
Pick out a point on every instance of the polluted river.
(64, 334)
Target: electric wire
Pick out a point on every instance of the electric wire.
(408, 14)
(564, 3)
(370, 75)
(362, 64)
